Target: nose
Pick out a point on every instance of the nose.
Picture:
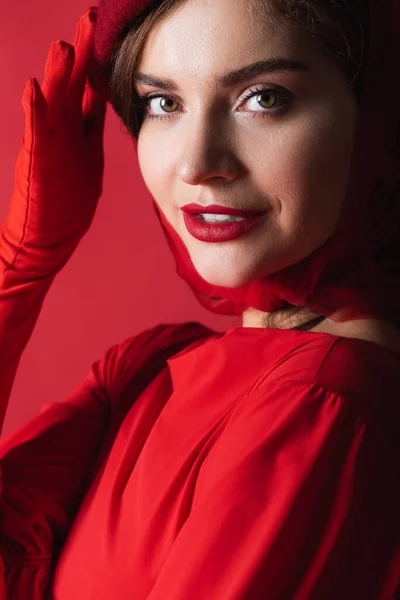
(207, 152)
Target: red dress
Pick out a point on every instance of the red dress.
(258, 464)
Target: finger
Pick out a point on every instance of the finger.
(36, 116)
(83, 47)
(94, 109)
(59, 65)
(93, 102)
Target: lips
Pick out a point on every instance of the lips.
(219, 232)
(216, 209)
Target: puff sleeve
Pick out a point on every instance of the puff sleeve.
(45, 468)
(47, 465)
(298, 499)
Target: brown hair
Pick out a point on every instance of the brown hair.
(340, 32)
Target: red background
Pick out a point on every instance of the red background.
(122, 277)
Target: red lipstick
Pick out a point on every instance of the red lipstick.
(218, 231)
(216, 209)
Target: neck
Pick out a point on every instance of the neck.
(286, 318)
(379, 331)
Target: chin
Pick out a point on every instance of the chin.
(234, 266)
(229, 278)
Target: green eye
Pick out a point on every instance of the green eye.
(166, 103)
(269, 95)
(273, 101)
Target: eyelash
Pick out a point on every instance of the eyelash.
(282, 93)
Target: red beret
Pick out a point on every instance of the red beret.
(113, 16)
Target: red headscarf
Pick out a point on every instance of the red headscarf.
(356, 273)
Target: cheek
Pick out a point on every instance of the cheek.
(154, 167)
(309, 170)
(301, 166)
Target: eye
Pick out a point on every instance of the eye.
(272, 100)
(166, 102)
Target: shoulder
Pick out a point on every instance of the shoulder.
(363, 375)
(172, 336)
(146, 352)
(367, 374)
(353, 366)
(322, 387)
(346, 366)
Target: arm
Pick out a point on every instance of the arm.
(296, 500)
(46, 467)
(48, 464)
(20, 304)
(58, 181)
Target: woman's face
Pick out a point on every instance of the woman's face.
(286, 151)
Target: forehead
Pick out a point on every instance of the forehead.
(204, 38)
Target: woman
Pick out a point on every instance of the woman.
(261, 463)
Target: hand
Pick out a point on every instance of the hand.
(59, 170)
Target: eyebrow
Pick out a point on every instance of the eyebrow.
(231, 77)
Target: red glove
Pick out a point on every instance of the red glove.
(58, 181)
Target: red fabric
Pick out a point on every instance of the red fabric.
(189, 464)
(58, 181)
(355, 274)
(274, 474)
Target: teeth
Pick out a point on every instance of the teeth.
(209, 218)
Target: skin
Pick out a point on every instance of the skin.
(213, 147)
(378, 331)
